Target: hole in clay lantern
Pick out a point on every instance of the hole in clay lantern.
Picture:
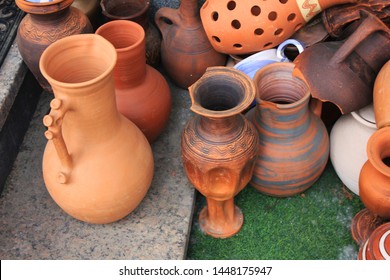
(237, 46)
(214, 16)
(272, 16)
(278, 32)
(258, 31)
(231, 5)
(283, 1)
(236, 24)
(298, 27)
(268, 44)
(291, 17)
(215, 38)
(255, 10)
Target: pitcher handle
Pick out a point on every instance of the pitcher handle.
(53, 121)
(162, 15)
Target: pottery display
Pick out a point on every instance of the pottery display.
(44, 24)
(219, 146)
(377, 247)
(90, 8)
(97, 165)
(137, 11)
(381, 96)
(185, 49)
(294, 144)
(343, 72)
(348, 143)
(242, 27)
(142, 93)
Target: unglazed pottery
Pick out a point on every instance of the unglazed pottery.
(97, 165)
(343, 72)
(348, 145)
(137, 11)
(242, 27)
(377, 247)
(363, 224)
(294, 144)
(90, 8)
(219, 146)
(185, 49)
(44, 24)
(381, 96)
(142, 93)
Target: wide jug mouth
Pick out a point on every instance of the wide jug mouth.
(78, 60)
(378, 150)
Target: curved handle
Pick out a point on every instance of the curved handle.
(53, 121)
(316, 106)
(166, 17)
(280, 50)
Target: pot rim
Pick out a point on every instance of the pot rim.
(44, 7)
(130, 16)
(375, 152)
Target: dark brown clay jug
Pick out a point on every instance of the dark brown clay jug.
(219, 146)
(137, 11)
(142, 93)
(44, 24)
(343, 72)
(185, 50)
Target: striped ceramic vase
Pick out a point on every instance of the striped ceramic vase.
(377, 247)
(294, 144)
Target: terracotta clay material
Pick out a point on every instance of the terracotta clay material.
(343, 72)
(381, 96)
(294, 144)
(241, 27)
(90, 8)
(142, 93)
(97, 165)
(377, 247)
(44, 24)
(363, 224)
(219, 146)
(185, 50)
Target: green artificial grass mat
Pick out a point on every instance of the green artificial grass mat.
(312, 226)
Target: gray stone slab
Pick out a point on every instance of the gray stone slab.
(32, 226)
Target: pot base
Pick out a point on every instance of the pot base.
(363, 224)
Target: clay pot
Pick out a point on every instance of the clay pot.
(44, 24)
(374, 180)
(377, 247)
(97, 165)
(185, 49)
(137, 11)
(294, 143)
(219, 146)
(349, 67)
(381, 96)
(90, 8)
(242, 27)
(348, 143)
(142, 93)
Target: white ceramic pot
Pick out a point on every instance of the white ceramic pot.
(348, 142)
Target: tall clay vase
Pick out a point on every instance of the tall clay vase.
(381, 96)
(142, 93)
(348, 67)
(294, 144)
(185, 50)
(137, 11)
(242, 27)
(97, 165)
(219, 146)
(44, 24)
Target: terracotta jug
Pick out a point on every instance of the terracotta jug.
(142, 93)
(97, 165)
(185, 49)
(44, 24)
(240, 27)
(90, 8)
(377, 247)
(137, 11)
(294, 143)
(219, 146)
(381, 96)
(347, 68)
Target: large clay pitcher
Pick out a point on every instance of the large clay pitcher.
(294, 143)
(142, 93)
(44, 24)
(185, 49)
(219, 146)
(243, 27)
(97, 165)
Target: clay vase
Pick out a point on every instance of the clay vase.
(219, 146)
(142, 93)
(137, 11)
(348, 143)
(381, 96)
(348, 67)
(97, 165)
(377, 247)
(294, 144)
(241, 27)
(90, 8)
(44, 24)
(185, 49)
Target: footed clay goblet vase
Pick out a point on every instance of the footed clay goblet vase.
(219, 146)
(294, 144)
(97, 165)
(44, 24)
(142, 93)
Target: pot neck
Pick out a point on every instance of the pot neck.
(52, 17)
(189, 10)
(224, 127)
